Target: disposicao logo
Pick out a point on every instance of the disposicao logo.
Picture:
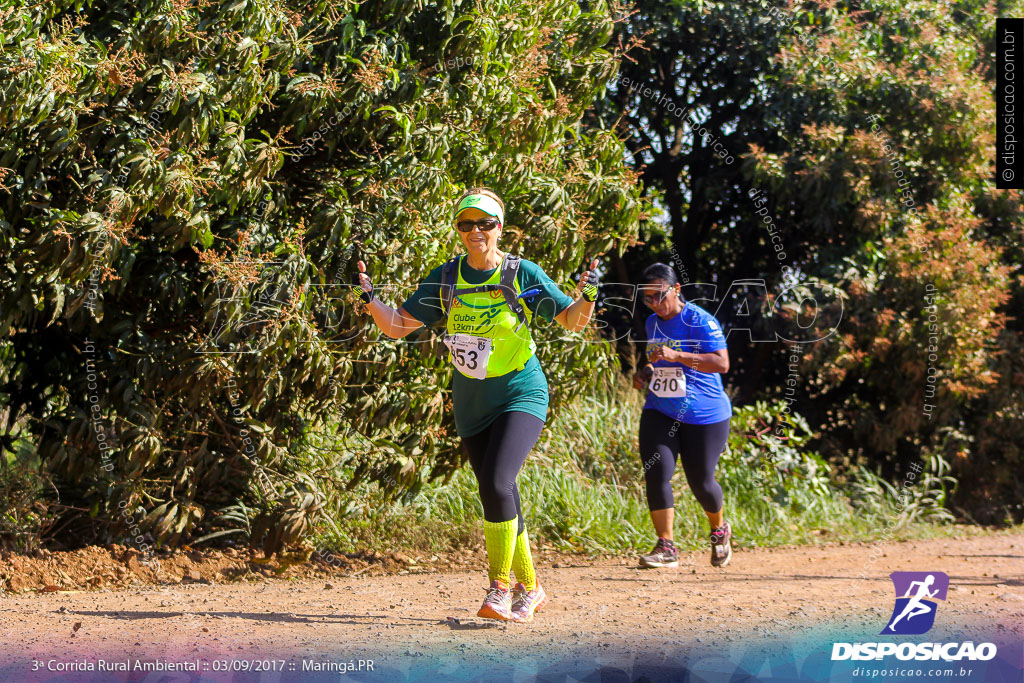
(916, 593)
(914, 614)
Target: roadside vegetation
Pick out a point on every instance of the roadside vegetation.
(584, 490)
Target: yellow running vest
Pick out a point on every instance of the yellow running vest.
(482, 335)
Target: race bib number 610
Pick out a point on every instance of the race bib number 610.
(668, 382)
(469, 354)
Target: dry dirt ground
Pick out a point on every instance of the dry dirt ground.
(397, 609)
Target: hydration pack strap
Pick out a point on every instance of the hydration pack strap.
(509, 270)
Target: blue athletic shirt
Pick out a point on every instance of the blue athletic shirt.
(696, 331)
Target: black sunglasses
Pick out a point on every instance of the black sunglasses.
(485, 224)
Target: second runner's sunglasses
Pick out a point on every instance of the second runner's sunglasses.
(656, 297)
(485, 225)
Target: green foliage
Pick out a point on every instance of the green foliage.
(868, 127)
(922, 498)
(769, 467)
(24, 517)
(895, 158)
(152, 151)
(693, 65)
(183, 188)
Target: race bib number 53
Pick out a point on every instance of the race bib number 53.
(668, 382)
(469, 354)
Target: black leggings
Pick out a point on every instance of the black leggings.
(497, 454)
(698, 446)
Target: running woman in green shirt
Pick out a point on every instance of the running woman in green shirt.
(487, 299)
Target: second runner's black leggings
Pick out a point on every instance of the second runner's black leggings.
(698, 446)
(497, 454)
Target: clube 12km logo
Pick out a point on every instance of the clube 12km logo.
(917, 596)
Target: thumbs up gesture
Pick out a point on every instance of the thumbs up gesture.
(589, 280)
(363, 280)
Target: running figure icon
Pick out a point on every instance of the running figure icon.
(916, 606)
(916, 596)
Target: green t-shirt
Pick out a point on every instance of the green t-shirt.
(479, 401)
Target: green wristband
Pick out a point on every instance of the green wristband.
(590, 293)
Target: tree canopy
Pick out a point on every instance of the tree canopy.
(865, 133)
(185, 187)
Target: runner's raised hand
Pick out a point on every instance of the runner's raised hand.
(589, 281)
(363, 280)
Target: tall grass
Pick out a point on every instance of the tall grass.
(582, 491)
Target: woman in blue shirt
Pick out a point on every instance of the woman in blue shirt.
(687, 412)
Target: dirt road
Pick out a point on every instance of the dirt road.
(598, 612)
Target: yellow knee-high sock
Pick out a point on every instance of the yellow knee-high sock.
(501, 545)
(522, 562)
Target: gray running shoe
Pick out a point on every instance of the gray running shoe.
(498, 603)
(721, 545)
(525, 603)
(663, 555)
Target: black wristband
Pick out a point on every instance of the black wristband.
(590, 287)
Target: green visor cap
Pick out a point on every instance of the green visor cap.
(481, 201)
